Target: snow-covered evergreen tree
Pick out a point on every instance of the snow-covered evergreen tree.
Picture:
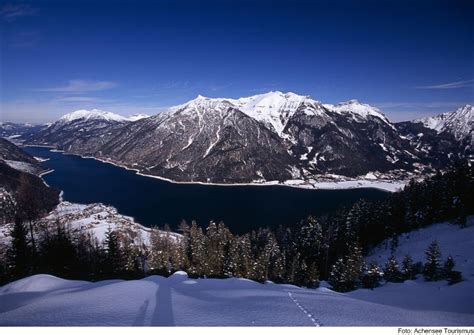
(115, 259)
(197, 259)
(372, 277)
(452, 276)
(391, 270)
(408, 268)
(19, 253)
(431, 270)
(346, 272)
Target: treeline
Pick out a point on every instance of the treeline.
(351, 271)
(313, 249)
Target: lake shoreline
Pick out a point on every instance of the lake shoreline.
(383, 185)
(157, 201)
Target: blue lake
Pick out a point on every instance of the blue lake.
(155, 202)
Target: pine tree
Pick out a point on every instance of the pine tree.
(448, 266)
(346, 272)
(267, 249)
(431, 269)
(19, 253)
(408, 268)
(371, 279)
(355, 262)
(197, 254)
(391, 270)
(312, 276)
(57, 253)
(452, 276)
(308, 239)
(276, 269)
(115, 260)
(339, 277)
(231, 262)
(239, 262)
(214, 259)
(217, 245)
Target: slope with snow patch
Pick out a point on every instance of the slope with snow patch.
(95, 218)
(459, 123)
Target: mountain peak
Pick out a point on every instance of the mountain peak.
(93, 114)
(273, 108)
(354, 106)
(459, 122)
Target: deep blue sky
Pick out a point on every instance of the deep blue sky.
(410, 58)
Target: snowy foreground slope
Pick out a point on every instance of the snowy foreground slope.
(180, 301)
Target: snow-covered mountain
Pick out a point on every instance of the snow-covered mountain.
(357, 110)
(14, 131)
(202, 140)
(274, 109)
(77, 128)
(266, 137)
(460, 123)
(94, 114)
(448, 133)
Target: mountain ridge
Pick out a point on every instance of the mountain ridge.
(273, 136)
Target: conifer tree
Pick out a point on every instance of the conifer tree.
(115, 260)
(245, 263)
(346, 272)
(19, 254)
(452, 276)
(391, 270)
(197, 259)
(339, 277)
(371, 279)
(448, 266)
(431, 270)
(355, 262)
(57, 253)
(408, 268)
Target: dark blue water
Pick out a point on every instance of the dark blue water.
(155, 202)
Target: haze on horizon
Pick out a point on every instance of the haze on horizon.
(410, 59)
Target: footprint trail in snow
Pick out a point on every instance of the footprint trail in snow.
(303, 309)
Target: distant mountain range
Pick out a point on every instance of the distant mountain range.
(268, 137)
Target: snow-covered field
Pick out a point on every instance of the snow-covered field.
(178, 300)
(95, 218)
